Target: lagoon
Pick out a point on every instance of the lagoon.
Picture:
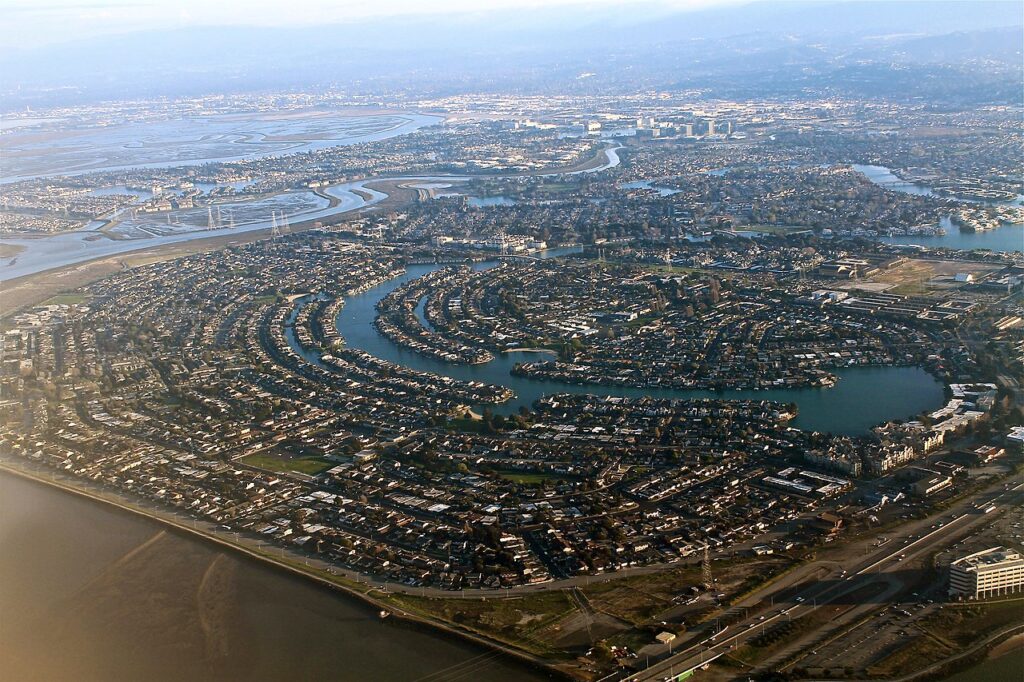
(863, 397)
(1008, 238)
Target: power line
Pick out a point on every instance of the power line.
(705, 568)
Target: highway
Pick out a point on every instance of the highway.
(861, 570)
(855, 574)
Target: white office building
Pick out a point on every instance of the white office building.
(988, 573)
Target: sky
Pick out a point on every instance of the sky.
(32, 23)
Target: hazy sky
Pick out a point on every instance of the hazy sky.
(24, 23)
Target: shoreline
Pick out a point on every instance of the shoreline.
(171, 521)
(414, 119)
(339, 580)
(395, 198)
(962, 663)
(176, 520)
(148, 254)
(1007, 647)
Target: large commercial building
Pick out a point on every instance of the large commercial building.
(987, 573)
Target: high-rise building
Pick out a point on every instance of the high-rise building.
(711, 126)
(987, 573)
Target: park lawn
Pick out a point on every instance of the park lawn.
(466, 424)
(556, 187)
(303, 465)
(532, 478)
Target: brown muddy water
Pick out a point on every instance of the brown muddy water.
(91, 593)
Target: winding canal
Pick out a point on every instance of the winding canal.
(863, 397)
(884, 177)
(68, 248)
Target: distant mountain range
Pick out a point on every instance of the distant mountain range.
(901, 48)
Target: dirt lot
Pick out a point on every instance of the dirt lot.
(920, 276)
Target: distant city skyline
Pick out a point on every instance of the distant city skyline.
(77, 51)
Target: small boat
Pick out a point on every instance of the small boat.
(384, 614)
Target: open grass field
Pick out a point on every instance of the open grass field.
(916, 654)
(530, 478)
(303, 465)
(521, 620)
(558, 187)
(639, 599)
(66, 299)
(961, 625)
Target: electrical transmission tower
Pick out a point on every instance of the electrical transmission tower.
(705, 568)
(275, 229)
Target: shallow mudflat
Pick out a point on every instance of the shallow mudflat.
(102, 595)
(58, 148)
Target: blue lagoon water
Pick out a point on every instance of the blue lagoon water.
(863, 397)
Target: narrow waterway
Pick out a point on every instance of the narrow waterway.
(863, 397)
(1006, 238)
(67, 248)
(89, 593)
